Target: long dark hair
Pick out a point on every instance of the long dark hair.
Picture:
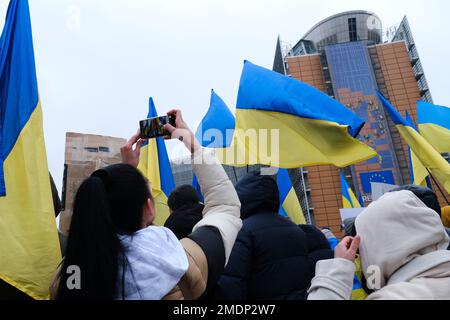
(107, 204)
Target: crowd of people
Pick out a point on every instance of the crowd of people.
(235, 245)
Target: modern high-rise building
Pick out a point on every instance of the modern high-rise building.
(346, 57)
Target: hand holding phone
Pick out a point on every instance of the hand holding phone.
(181, 131)
(154, 127)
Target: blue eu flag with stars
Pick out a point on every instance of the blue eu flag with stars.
(380, 176)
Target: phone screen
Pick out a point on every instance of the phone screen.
(154, 127)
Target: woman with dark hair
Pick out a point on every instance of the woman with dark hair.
(121, 255)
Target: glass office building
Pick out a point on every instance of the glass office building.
(346, 57)
(344, 27)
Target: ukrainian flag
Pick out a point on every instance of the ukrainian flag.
(349, 200)
(29, 245)
(427, 155)
(418, 173)
(313, 128)
(434, 125)
(215, 130)
(217, 126)
(155, 165)
(289, 203)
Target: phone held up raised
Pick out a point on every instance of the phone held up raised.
(154, 127)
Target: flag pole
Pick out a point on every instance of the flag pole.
(439, 187)
(235, 175)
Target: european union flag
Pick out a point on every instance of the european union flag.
(380, 176)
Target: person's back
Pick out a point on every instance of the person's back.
(273, 258)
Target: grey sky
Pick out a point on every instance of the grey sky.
(97, 78)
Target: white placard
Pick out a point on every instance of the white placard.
(378, 189)
(350, 213)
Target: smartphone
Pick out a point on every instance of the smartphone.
(154, 127)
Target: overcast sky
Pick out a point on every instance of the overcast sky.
(98, 61)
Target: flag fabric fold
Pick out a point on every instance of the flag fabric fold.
(434, 125)
(428, 156)
(285, 123)
(29, 244)
(418, 173)
(155, 165)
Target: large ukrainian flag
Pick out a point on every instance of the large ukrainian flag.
(29, 245)
(427, 155)
(313, 128)
(418, 173)
(289, 203)
(349, 200)
(434, 125)
(216, 131)
(155, 165)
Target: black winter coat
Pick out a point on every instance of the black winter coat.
(184, 219)
(272, 258)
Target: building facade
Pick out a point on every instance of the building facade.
(345, 57)
(183, 174)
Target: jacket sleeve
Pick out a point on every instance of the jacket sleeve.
(222, 206)
(233, 284)
(333, 280)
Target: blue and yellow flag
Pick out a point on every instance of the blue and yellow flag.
(349, 200)
(434, 125)
(289, 203)
(361, 200)
(285, 123)
(427, 155)
(217, 126)
(29, 245)
(215, 130)
(418, 173)
(155, 165)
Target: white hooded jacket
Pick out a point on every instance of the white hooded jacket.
(403, 253)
